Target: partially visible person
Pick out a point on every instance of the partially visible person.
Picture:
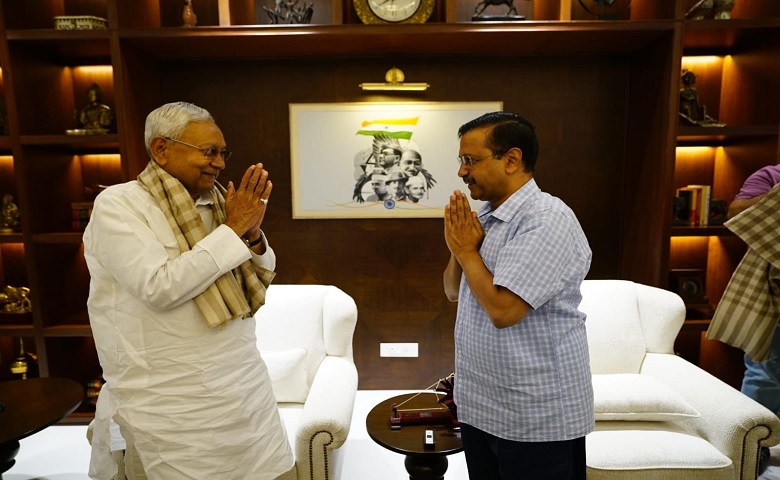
(411, 162)
(178, 266)
(414, 189)
(379, 185)
(395, 185)
(755, 187)
(523, 382)
(761, 380)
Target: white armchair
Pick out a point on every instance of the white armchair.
(304, 333)
(657, 415)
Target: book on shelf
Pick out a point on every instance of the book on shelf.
(696, 207)
(705, 197)
(80, 213)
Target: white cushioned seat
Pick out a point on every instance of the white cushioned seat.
(659, 417)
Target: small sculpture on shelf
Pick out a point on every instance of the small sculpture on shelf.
(607, 9)
(289, 12)
(15, 299)
(188, 17)
(10, 221)
(95, 118)
(510, 15)
(711, 9)
(692, 113)
(25, 363)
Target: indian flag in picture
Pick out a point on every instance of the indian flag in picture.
(393, 127)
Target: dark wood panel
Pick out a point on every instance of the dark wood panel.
(393, 267)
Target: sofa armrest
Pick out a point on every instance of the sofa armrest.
(326, 417)
(732, 422)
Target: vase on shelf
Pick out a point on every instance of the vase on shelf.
(188, 16)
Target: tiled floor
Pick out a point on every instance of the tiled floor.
(62, 453)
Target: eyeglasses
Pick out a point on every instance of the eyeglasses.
(209, 153)
(469, 161)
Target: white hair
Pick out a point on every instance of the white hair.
(171, 119)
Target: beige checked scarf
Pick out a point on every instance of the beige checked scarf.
(747, 314)
(238, 293)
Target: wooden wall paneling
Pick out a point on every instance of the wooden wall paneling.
(756, 9)
(139, 90)
(649, 167)
(393, 267)
(755, 74)
(25, 15)
(66, 297)
(50, 206)
(46, 93)
(136, 13)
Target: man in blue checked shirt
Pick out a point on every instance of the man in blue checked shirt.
(523, 382)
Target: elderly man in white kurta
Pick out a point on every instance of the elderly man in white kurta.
(179, 265)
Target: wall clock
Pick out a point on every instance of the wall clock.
(394, 11)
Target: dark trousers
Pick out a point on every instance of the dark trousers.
(491, 458)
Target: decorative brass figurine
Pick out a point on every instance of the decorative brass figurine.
(510, 15)
(19, 364)
(711, 9)
(188, 16)
(10, 221)
(95, 118)
(691, 112)
(288, 11)
(15, 299)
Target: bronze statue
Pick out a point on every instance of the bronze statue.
(10, 220)
(95, 117)
(691, 112)
(15, 299)
(188, 17)
(288, 11)
(711, 9)
(511, 13)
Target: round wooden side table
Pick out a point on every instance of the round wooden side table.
(421, 463)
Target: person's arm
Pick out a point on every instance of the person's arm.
(463, 234)
(741, 204)
(452, 274)
(131, 238)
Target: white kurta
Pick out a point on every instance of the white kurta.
(197, 400)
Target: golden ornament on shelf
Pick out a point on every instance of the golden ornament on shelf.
(10, 221)
(188, 17)
(95, 118)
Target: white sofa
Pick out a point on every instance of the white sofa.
(657, 415)
(304, 333)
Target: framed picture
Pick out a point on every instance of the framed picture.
(688, 283)
(377, 160)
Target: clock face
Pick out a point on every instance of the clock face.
(394, 10)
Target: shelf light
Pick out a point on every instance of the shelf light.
(394, 81)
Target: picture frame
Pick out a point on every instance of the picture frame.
(689, 284)
(343, 153)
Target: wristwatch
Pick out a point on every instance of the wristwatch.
(255, 241)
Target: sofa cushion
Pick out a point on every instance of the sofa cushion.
(636, 397)
(287, 369)
(615, 337)
(652, 450)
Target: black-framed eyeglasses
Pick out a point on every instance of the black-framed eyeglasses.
(469, 161)
(209, 153)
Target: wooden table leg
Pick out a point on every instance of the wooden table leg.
(426, 467)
